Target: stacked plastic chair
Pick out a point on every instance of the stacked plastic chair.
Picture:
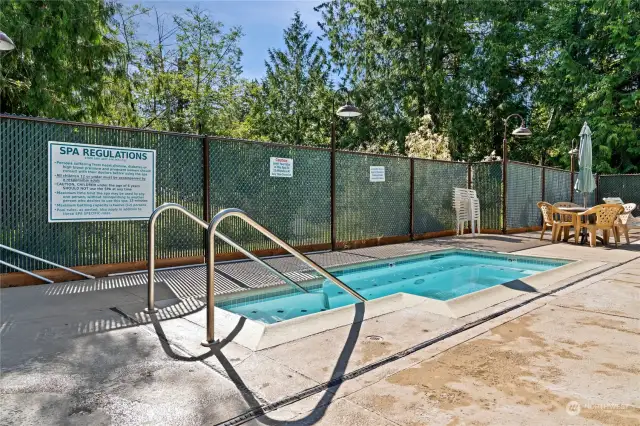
(467, 207)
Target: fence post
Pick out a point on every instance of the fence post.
(469, 224)
(411, 198)
(543, 182)
(333, 188)
(597, 194)
(504, 192)
(206, 188)
(206, 175)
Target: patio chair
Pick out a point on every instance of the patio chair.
(606, 215)
(566, 217)
(626, 220)
(467, 207)
(549, 215)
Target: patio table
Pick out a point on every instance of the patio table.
(584, 234)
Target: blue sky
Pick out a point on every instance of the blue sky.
(262, 23)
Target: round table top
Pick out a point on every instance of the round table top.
(574, 209)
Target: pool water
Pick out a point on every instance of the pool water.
(440, 276)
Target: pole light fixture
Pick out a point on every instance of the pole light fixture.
(348, 110)
(520, 132)
(5, 42)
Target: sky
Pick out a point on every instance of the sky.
(262, 23)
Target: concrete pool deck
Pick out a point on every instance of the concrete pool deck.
(84, 353)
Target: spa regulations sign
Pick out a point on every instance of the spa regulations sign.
(94, 183)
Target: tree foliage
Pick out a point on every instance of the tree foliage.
(65, 56)
(293, 104)
(425, 143)
(466, 64)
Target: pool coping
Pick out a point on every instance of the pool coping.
(256, 335)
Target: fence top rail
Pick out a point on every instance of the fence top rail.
(558, 169)
(371, 154)
(526, 164)
(464, 163)
(266, 144)
(486, 162)
(619, 174)
(97, 126)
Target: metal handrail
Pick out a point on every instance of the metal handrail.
(151, 267)
(222, 214)
(42, 260)
(34, 275)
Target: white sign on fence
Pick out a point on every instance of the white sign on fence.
(90, 183)
(281, 167)
(376, 174)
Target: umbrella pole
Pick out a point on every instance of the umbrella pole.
(584, 198)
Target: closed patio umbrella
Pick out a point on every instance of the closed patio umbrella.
(585, 183)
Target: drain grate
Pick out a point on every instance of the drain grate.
(374, 338)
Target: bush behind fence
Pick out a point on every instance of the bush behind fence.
(297, 209)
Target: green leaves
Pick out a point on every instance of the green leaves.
(294, 104)
(465, 63)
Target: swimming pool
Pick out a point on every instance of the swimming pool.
(442, 275)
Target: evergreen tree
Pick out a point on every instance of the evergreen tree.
(294, 106)
(64, 53)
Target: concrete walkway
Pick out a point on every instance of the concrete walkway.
(84, 353)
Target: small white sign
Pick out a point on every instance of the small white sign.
(89, 183)
(376, 174)
(281, 167)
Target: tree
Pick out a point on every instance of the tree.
(192, 87)
(402, 58)
(293, 106)
(125, 84)
(65, 52)
(591, 73)
(425, 143)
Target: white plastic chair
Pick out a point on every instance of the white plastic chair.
(475, 214)
(467, 207)
(626, 220)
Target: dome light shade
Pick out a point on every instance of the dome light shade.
(521, 132)
(5, 42)
(348, 110)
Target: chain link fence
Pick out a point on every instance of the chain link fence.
(486, 179)
(433, 191)
(297, 208)
(524, 190)
(24, 202)
(557, 185)
(626, 187)
(366, 209)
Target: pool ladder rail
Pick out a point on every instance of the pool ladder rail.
(48, 262)
(210, 260)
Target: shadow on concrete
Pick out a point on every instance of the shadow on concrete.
(338, 372)
(166, 346)
(519, 285)
(318, 412)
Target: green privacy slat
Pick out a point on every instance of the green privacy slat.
(296, 209)
(524, 191)
(367, 209)
(433, 193)
(626, 187)
(487, 181)
(557, 185)
(23, 202)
